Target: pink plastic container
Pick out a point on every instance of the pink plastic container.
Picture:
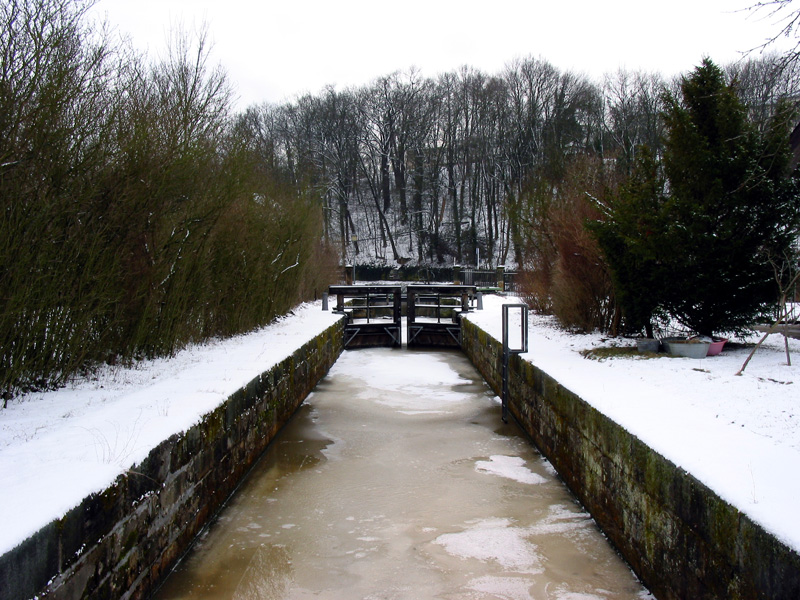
(716, 346)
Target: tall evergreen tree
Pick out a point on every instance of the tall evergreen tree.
(731, 206)
(628, 238)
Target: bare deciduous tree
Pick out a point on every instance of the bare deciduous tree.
(785, 15)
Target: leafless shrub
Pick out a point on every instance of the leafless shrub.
(566, 272)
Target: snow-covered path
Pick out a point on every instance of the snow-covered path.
(738, 435)
(58, 447)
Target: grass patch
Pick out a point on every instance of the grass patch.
(605, 352)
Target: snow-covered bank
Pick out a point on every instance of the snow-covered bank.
(738, 435)
(58, 447)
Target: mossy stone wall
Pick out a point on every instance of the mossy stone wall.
(122, 542)
(680, 537)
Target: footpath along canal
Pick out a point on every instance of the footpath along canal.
(397, 479)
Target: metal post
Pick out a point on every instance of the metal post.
(324, 300)
(504, 410)
(508, 350)
(480, 300)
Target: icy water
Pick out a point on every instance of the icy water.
(397, 480)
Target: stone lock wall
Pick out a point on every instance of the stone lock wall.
(681, 539)
(120, 543)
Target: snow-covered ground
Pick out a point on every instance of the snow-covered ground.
(737, 434)
(58, 447)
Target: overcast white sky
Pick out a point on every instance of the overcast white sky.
(274, 50)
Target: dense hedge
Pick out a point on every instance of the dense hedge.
(136, 216)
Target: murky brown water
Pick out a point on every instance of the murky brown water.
(397, 480)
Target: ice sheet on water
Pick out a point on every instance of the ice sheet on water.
(511, 467)
(494, 540)
(411, 382)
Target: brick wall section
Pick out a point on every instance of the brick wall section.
(680, 538)
(120, 543)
